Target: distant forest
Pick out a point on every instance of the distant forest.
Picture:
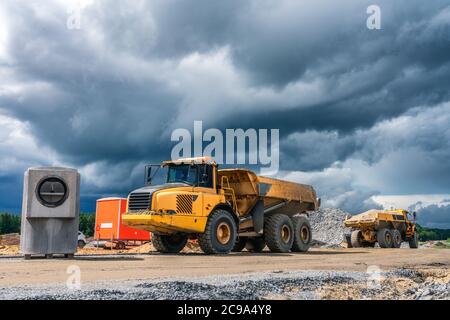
(10, 223)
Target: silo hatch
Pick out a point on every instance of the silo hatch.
(52, 192)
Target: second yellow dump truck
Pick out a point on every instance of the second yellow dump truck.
(387, 227)
(226, 210)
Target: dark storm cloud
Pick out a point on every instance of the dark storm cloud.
(106, 98)
(406, 154)
(335, 186)
(79, 101)
(434, 216)
(364, 74)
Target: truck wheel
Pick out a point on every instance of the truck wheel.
(384, 238)
(255, 245)
(348, 240)
(356, 239)
(120, 245)
(220, 233)
(278, 233)
(396, 239)
(169, 243)
(302, 234)
(240, 244)
(414, 241)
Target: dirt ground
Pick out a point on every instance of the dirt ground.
(9, 246)
(133, 266)
(141, 272)
(394, 286)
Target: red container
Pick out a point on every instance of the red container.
(108, 222)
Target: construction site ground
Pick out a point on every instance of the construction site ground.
(321, 273)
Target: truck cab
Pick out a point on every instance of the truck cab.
(190, 191)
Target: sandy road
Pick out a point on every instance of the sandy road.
(16, 272)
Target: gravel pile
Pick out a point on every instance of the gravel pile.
(432, 291)
(430, 284)
(289, 285)
(298, 285)
(327, 226)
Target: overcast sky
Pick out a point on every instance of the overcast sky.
(361, 112)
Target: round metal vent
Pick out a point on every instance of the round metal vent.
(52, 192)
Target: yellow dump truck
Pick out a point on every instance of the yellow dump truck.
(387, 227)
(226, 210)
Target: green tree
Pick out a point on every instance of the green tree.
(9, 223)
(432, 234)
(87, 224)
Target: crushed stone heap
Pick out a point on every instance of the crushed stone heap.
(327, 227)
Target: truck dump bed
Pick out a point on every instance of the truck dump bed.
(249, 188)
(372, 218)
(363, 220)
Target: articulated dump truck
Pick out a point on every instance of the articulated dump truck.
(225, 210)
(387, 227)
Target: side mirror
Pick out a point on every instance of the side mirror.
(148, 175)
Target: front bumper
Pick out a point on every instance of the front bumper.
(164, 223)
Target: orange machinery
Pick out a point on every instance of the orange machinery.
(109, 227)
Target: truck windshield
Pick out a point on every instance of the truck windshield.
(184, 173)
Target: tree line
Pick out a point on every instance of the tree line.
(433, 234)
(10, 223)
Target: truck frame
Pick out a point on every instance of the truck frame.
(226, 210)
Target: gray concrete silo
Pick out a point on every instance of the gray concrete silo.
(50, 212)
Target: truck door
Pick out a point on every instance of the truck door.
(203, 203)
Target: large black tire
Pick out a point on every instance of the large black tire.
(384, 238)
(220, 233)
(414, 241)
(302, 234)
(348, 240)
(279, 233)
(396, 238)
(356, 239)
(169, 243)
(240, 244)
(255, 245)
(120, 245)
